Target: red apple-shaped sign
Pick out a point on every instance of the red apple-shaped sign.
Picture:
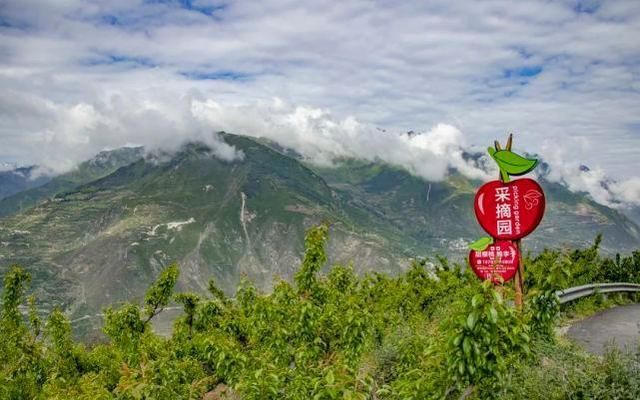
(510, 210)
(498, 262)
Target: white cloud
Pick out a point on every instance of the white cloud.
(5, 166)
(321, 138)
(627, 191)
(603, 188)
(81, 76)
(58, 135)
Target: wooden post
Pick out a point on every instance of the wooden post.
(519, 278)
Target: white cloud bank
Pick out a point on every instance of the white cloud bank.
(68, 134)
(165, 122)
(78, 77)
(320, 138)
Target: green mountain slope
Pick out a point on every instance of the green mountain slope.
(438, 216)
(17, 180)
(101, 165)
(104, 241)
(633, 213)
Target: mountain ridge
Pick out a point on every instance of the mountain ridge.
(19, 179)
(104, 240)
(101, 165)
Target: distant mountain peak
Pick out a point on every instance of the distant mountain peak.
(19, 179)
(115, 156)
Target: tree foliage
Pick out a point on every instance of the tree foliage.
(432, 332)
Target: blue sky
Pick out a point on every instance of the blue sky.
(326, 78)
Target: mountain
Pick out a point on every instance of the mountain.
(439, 215)
(633, 213)
(19, 179)
(100, 241)
(22, 197)
(106, 240)
(606, 183)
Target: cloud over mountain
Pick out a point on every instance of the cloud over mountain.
(80, 76)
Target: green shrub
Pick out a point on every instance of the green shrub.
(433, 332)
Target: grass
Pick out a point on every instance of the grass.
(562, 370)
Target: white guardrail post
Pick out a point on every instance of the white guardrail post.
(578, 292)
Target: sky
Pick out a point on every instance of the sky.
(330, 79)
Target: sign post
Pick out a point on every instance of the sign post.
(508, 211)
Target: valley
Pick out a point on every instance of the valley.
(100, 238)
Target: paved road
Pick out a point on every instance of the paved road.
(619, 326)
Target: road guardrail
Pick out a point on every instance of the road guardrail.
(578, 292)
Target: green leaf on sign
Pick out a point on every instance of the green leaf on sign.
(512, 163)
(481, 243)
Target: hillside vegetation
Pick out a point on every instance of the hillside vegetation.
(423, 334)
(102, 233)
